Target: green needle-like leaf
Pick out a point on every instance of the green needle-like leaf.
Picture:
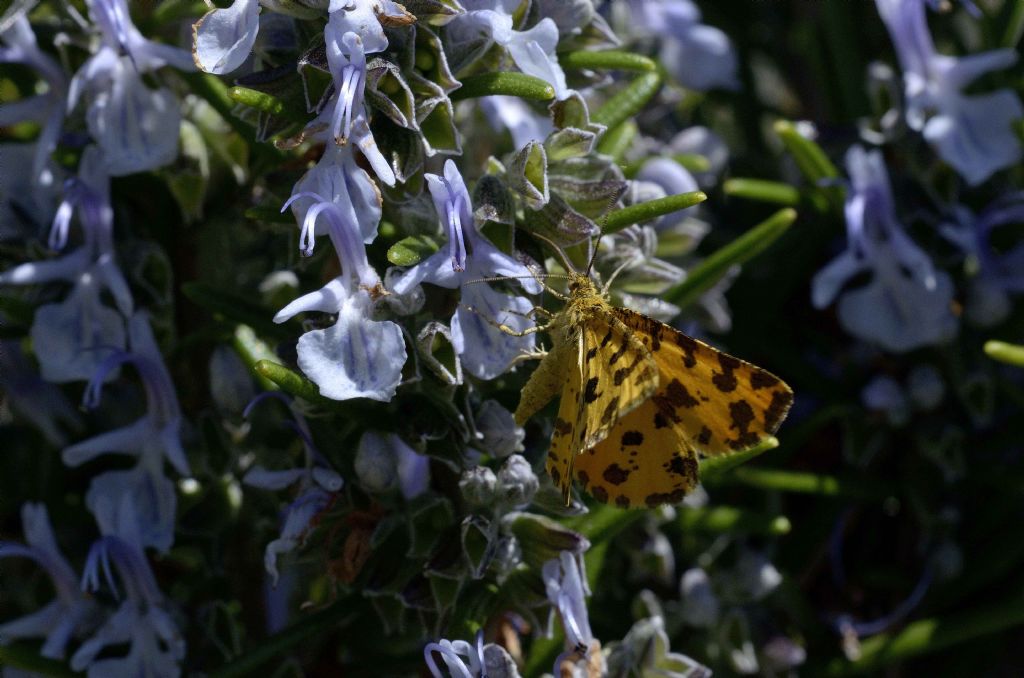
(652, 209)
(510, 84)
(615, 142)
(235, 307)
(291, 382)
(1005, 353)
(713, 468)
(308, 626)
(732, 520)
(802, 482)
(628, 101)
(612, 59)
(809, 156)
(411, 250)
(703, 276)
(267, 103)
(759, 189)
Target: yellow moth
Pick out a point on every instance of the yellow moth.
(640, 400)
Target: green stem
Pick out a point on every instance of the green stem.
(645, 211)
(628, 101)
(510, 84)
(703, 276)
(25, 657)
(930, 635)
(277, 645)
(760, 189)
(612, 59)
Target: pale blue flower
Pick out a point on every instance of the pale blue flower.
(338, 179)
(363, 18)
(18, 45)
(515, 115)
(384, 461)
(497, 433)
(155, 436)
(35, 399)
(71, 612)
(465, 660)
(157, 433)
(485, 351)
(73, 337)
(316, 484)
(700, 57)
(140, 638)
(565, 582)
(343, 118)
(906, 302)
(884, 394)
(532, 50)
(516, 482)
(224, 37)
(973, 133)
(135, 126)
(995, 275)
(150, 494)
(700, 604)
(644, 652)
(357, 357)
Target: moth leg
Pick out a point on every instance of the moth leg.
(536, 354)
(505, 328)
(536, 310)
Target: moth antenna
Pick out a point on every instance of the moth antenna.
(608, 285)
(561, 253)
(538, 277)
(604, 222)
(500, 278)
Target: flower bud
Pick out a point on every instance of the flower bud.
(517, 483)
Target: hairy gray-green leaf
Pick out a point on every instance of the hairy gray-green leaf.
(387, 91)
(478, 543)
(436, 118)
(560, 222)
(570, 112)
(493, 200)
(434, 12)
(592, 198)
(431, 61)
(569, 143)
(434, 344)
(528, 175)
(402, 148)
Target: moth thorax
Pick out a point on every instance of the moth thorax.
(581, 286)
